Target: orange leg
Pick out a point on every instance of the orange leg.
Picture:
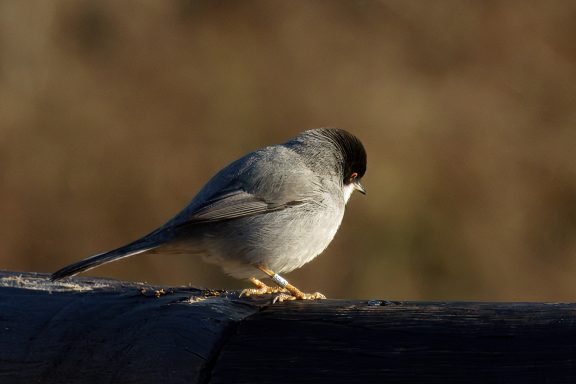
(261, 289)
(295, 293)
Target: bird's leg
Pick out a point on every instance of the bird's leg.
(261, 289)
(295, 293)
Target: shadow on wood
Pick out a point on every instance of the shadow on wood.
(104, 331)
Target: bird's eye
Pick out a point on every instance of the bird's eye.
(353, 176)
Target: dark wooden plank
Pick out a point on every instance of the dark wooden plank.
(357, 342)
(105, 331)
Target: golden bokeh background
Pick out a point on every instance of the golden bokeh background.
(114, 113)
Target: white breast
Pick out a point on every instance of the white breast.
(348, 189)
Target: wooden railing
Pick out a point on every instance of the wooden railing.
(89, 330)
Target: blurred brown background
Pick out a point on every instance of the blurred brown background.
(114, 113)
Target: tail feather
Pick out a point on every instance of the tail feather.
(134, 248)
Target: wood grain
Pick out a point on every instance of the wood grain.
(348, 342)
(106, 331)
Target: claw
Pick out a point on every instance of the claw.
(261, 289)
(305, 296)
(287, 292)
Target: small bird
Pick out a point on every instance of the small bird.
(269, 212)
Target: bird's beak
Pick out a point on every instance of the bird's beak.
(359, 187)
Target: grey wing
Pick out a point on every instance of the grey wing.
(263, 182)
(236, 204)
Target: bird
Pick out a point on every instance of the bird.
(269, 212)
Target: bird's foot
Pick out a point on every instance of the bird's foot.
(288, 291)
(261, 289)
(299, 296)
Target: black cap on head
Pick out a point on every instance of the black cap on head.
(353, 152)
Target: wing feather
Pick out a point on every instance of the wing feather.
(234, 205)
(260, 183)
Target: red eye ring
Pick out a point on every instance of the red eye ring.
(353, 176)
